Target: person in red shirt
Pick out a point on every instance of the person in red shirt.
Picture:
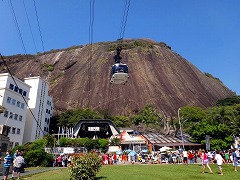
(115, 158)
(59, 160)
(191, 157)
(124, 158)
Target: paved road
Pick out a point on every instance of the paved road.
(35, 171)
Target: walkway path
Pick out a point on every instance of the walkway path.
(35, 171)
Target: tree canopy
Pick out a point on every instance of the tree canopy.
(221, 123)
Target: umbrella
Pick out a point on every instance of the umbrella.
(165, 148)
(144, 150)
(132, 153)
(128, 150)
(119, 152)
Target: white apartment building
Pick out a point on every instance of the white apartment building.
(41, 106)
(14, 95)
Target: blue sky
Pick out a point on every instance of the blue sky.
(205, 32)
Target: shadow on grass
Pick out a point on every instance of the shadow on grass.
(101, 177)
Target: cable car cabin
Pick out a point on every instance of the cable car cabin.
(119, 74)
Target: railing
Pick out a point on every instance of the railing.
(65, 150)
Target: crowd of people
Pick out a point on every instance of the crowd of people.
(180, 156)
(62, 160)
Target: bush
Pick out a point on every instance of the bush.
(85, 166)
(47, 67)
(64, 142)
(34, 153)
(38, 157)
(50, 67)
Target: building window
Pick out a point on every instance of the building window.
(5, 114)
(11, 86)
(13, 130)
(18, 131)
(20, 118)
(44, 128)
(46, 110)
(18, 104)
(9, 100)
(16, 89)
(15, 116)
(45, 119)
(13, 102)
(20, 91)
(22, 105)
(16, 143)
(24, 93)
(11, 115)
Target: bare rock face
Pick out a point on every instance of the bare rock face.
(79, 77)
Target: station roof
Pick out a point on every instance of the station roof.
(168, 140)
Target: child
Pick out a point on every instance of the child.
(205, 162)
(220, 161)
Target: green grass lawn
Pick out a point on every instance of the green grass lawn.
(152, 172)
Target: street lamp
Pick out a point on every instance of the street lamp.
(179, 121)
(10, 116)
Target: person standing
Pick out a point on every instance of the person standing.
(227, 157)
(235, 160)
(59, 160)
(69, 159)
(18, 165)
(17, 152)
(115, 159)
(205, 162)
(220, 161)
(7, 164)
(124, 158)
(191, 157)
(185, 157)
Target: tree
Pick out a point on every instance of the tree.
(103, 143)
(49, 140)
(235, 121)
(192, 114)
(121, 121)
(230, 101)
(146, 116)
(115, 142)
(215, 126)
(137, 119)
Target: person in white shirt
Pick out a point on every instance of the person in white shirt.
(220, 161)
(185, 157)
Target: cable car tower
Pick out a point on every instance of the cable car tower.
(119, 73)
